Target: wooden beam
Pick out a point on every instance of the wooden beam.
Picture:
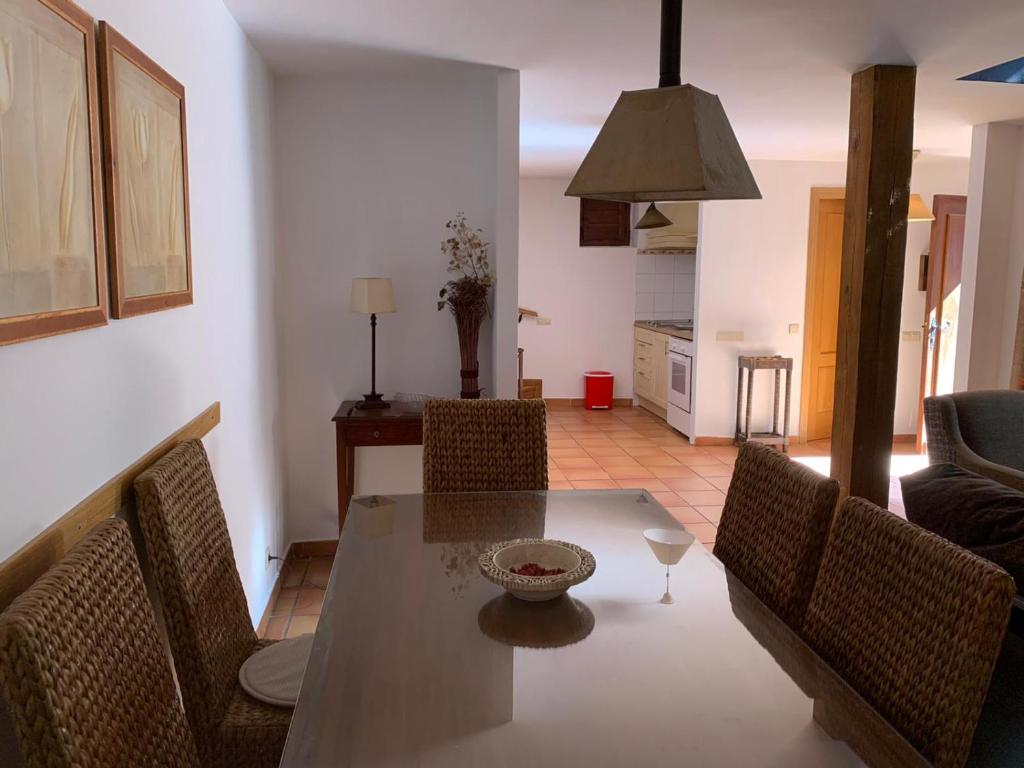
(874, 247)
(21, 569)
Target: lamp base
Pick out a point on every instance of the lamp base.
(373, 402)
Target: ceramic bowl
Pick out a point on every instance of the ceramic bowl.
(497, 563)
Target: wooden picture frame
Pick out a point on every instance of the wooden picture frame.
(146, 173)
(50, 184)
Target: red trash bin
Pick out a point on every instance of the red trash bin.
(598, 386)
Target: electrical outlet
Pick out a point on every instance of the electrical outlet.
(912, 336)
(794, 329)
(270, 558)
(543, 321)
(729, 336)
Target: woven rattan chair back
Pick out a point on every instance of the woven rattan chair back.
(82, 667)
(205, 608)
(484, 445)
(773, 529)
(913, 623)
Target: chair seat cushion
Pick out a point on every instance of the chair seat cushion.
(274, 674)
(977, 513)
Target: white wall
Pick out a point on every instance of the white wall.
(77, 409)
(371, 164)
(587, 292)
(752, 273)
(506, 237)
(993, 258)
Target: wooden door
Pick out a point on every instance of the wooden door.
(942, 303)
(821, 322)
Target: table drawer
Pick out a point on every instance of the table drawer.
(399, 433)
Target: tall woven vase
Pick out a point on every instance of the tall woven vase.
(468, 321)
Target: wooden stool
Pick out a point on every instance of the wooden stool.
(751, 364)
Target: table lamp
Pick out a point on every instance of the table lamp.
(373, 296)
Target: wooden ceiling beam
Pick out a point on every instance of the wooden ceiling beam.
(871, 295)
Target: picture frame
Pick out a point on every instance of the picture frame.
(145, 146)
(53, 276)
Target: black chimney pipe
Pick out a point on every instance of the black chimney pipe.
(671, 42)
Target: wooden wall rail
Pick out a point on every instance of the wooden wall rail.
(19, 571)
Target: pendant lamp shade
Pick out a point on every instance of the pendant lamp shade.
(672, 143)
(918, 210)
(653, 219)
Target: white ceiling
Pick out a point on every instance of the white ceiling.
(781, 67)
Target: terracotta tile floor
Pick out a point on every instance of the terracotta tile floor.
(592, 450)
(297, 607)
(630, 448)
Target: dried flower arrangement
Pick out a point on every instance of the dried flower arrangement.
(467, 296)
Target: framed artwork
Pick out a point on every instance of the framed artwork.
(52, 255)
(146, 170)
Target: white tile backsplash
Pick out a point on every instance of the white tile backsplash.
(686, 264)
(664, 264)
(682, 303)
(684, 284)
(664, 302)
(665, 286)
(644, 306)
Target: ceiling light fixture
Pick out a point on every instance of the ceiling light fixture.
(653, 219)
(919, 210)
(672, 142)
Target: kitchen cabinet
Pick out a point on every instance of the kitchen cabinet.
(650, 369)
(605, 223)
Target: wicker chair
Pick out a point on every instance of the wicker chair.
(208, 622)
(83, 669)
(484, 445)
(774, 527)
(913, 623)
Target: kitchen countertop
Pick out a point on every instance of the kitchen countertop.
(686, 335)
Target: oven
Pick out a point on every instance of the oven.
(680, 386)
(680, 373)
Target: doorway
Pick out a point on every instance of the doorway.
(942, 303)
(821, 316)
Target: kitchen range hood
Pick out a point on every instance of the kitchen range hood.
(672, 142)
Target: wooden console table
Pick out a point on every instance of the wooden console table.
(401, 424)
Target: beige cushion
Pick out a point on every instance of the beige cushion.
(274, 674)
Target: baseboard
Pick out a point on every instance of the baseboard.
(566, 403)
(304, 549)
(904, 438)
(297, 550)
(265, 619)
(715, 441)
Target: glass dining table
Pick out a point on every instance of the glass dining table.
(419, 660)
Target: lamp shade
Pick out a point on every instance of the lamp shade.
(372, 295)
(918, 210)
